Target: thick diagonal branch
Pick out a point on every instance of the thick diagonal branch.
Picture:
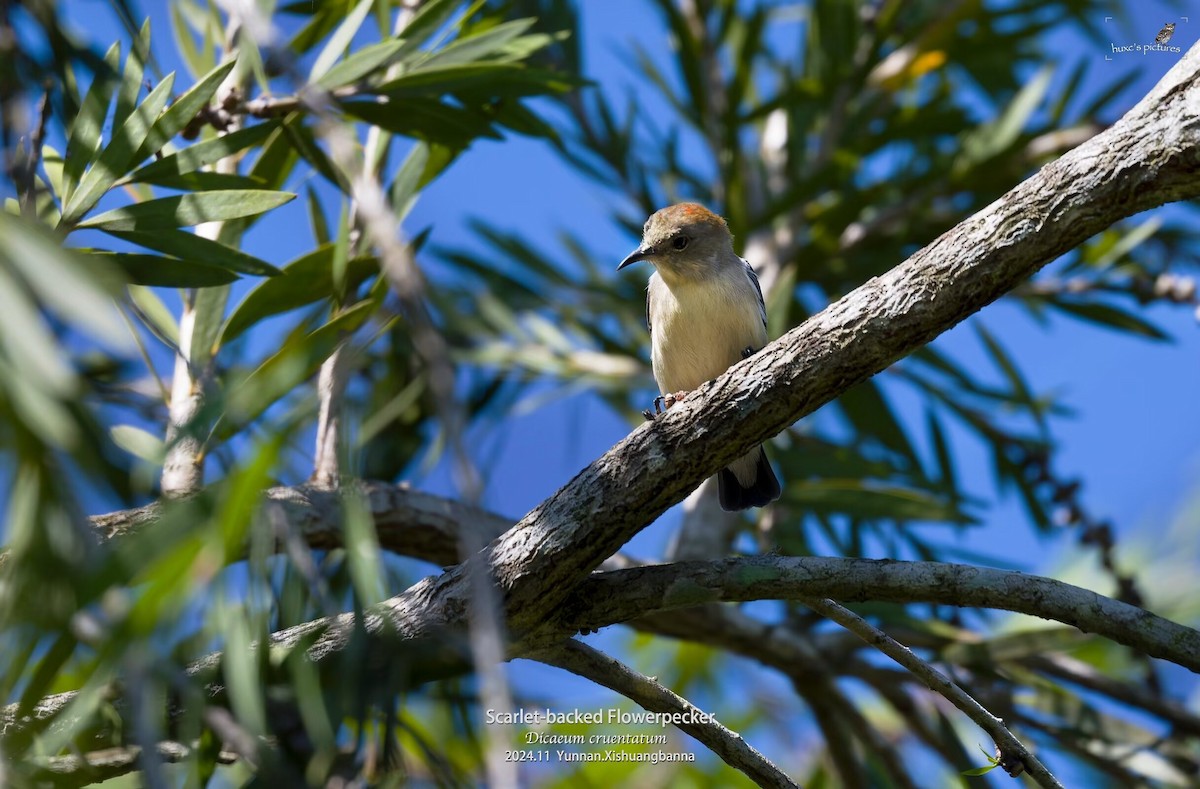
(1150, 157)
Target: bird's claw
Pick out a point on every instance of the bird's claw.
(663, 402)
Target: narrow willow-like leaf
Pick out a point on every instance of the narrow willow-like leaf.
(190, 246)
(305, 280)
(166, 272)
(196, 156)
(340, 40)
(118, 155)
(183, 110)
(293, 364)
(153, 313)
(138, 442)
(499, 79)
(477, 47)
(426, 119)
(189, 209)
(316, 215)
(131, 78)
(84, 139)
(77, 293)
(361, 63)
(1110, 316)
(52, 163)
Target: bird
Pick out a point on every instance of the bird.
(1165, 34)
(705, 312)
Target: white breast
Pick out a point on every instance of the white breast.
(699, 329)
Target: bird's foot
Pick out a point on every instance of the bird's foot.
(747, 352)
(662, 403)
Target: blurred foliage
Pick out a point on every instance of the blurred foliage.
(837, 137)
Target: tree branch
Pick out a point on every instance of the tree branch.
(581, 659)
(1014, 758)
(620, 595)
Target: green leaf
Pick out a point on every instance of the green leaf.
(410, 178)
(209, 308)
(183, 110)
(305, 280)
(1110, 317)
(191, 246)
(477, 47)
(865, 501)
(52, 163)
(946, 473)
(196, 156)
(159, 271)
(138, 442)
(118, 155)
(200, 181)
(361, 63)
(76, 293)
(991, 139)
(197, 62)
(305, 142)
(131, 79)
(425, 162)
(154, 314)
(28, 341)
(494, 79)
(871, 415)
(426, 119)
(340, 40)
(316, 216)
(189, 209)
(1128, 242)
(432, 17)
(362, 550)
(296, 362)
(84, 139)
(273, 166)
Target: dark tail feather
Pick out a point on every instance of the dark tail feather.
(736, 496)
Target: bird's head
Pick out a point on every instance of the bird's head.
(684, 239)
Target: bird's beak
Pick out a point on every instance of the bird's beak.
(641, 253)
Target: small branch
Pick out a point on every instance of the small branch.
(408, 522)
(183, 466)
(331, 386)
(1077, 672)
(581, 659)
(27, 177)
(97, 766)
(621, 595)
(1014, 757)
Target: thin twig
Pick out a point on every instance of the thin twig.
(28, 173)
(101, 765)
(1013, 757)
(581, 659)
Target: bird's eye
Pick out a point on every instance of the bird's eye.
(679, 242)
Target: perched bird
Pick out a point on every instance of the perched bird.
(705, 312)
(1165, 34)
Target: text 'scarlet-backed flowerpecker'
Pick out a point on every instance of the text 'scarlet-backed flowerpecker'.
(705, 311)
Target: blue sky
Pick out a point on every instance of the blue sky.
(1134, 441)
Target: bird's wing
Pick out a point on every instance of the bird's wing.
(649, 327)
(762, 306)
